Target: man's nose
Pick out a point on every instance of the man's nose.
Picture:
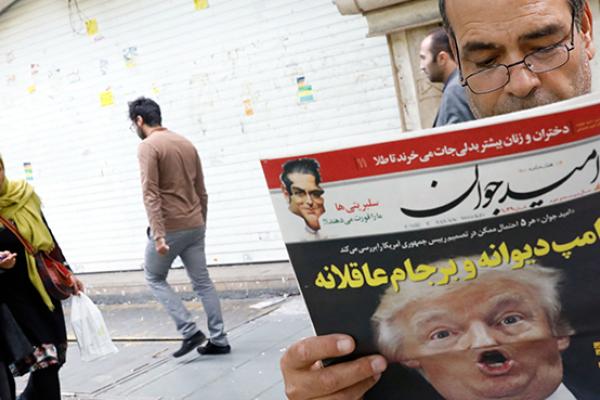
(478, 335)
(522, 81)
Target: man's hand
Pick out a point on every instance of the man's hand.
(7, 259)
(306, 378)
(161, 246)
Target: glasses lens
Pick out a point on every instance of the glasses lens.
(545, 60)
(488, 80)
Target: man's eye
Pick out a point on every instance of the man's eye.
(488, 62)
(546, 53)
(511, 319)
(440, 335)
(545, 49)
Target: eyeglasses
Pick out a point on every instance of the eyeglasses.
(132, 127)
(303, 194)
(497, 76)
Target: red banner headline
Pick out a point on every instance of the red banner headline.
(449, 148)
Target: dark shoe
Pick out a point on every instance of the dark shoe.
(190, 344)
(212, 348)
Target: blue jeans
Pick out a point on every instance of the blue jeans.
(189, 245)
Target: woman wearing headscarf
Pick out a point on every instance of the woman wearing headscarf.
(32, 323)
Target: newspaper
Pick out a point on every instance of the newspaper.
(468, 256)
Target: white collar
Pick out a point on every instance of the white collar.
(561, 393)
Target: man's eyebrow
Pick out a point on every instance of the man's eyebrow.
(545, 31)
(506, 301)
(427, 317)
(474, 46)
(542, 32)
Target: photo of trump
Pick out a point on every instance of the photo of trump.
(498, 336)
(300, 184)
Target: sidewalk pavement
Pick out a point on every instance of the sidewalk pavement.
(147, 371)
(133, 314)
(263, 315)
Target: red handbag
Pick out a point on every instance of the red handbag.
(56, 277)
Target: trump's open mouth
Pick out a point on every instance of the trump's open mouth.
(494, 362)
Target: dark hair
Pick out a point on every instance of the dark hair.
(308, 166)
(577, 7)
(146, 108)
(439, 42)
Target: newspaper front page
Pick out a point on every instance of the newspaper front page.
(468, 257)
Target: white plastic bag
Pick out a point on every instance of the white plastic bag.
(92, 335)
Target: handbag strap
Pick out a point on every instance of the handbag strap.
(11, 227)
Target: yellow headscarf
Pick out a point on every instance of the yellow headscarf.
(19, 203)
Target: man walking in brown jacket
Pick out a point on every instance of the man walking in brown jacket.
(176, 203)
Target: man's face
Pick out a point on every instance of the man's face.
(136, 127)
(428, 64)
(306, 199)
(486, 340)
(503, 32)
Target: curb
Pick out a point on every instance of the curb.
(239, 281)
(228, 290)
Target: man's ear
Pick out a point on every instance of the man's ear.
(414, 364)
(442, 58)
(587, 31)
(139, 121)
(286, 194)
(563, 342)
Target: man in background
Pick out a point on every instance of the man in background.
(437, 63)
(176, 203)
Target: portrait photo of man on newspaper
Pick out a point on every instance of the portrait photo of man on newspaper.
(300, 185)
(499, 335)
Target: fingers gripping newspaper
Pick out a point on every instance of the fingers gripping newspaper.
(468, 256)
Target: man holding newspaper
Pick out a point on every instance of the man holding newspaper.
(512, 55)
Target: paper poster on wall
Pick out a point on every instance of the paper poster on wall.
(31, 89)
(248, 110)
(155, 89)
(107, 98)
(28, 171)
(130, 55)
(35, 69)
(201, 4)
(91, 26)
(305, 92)
(11, 79)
